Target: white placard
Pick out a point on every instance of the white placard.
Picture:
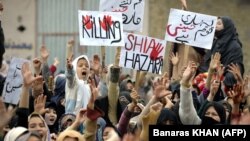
(132, 12)
(142, 53)
(191, 28)
(100, 28)
(14, 81)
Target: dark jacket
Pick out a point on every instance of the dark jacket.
(229, 46)
(2, 48)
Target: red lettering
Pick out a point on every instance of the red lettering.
(131, 37)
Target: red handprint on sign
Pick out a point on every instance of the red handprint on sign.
(155, 52)
(106, 22)
(87, 22)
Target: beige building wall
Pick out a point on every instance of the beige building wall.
(15, 14)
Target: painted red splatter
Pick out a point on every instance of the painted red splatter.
(106, 22)
(154, 55)
(87, 22)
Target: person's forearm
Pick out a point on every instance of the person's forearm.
(236, 108)
(74, 126)
(124, 121)
(24, 100)
(142, 77)
(37, 71)
(187, 112)
(90, 129)
(175, 73)
(45, 72)
(70, 75)
(145, 111)
(210, 97)
(113, 98)
(113, 94)
(149, 119)
(209, 78)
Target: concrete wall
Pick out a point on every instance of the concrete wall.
(15, 14)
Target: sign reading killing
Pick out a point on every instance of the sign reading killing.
(100, 28)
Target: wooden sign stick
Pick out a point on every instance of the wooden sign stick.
(117, 56)
(103, 53)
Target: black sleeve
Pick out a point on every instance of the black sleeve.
(22, 114)
(2, 48)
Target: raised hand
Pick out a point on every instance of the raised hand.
(56, 61)
(94, 94)
(188, 74)
(44, 53)
(37, 87)
(70, 45)
(220, 71)
(39, 104)
(160, 92)
(81, 116)
(165, 80)
(69, 62)
(28, 77)
(6, 114)
(215, 84)
(134, 95)
(37, 64)
(237, 93)
(184, 4)
(174, 58)
(215, 61)
(235, 70)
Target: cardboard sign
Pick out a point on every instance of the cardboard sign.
(132, 12)
(100, 28)
(14, 81)
(191, 28)
(142, 53)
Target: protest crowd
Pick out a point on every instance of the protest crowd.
(93, 101)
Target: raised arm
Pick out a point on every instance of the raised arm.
(28, 79)
(214, 64)
(127, 113)
(70, 74)
(184, 5)
(187, 112)
(92, 115)
(175, 60)
(45, 67)
(113, 89)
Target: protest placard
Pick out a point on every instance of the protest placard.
(100, 28)
(191, 28)
(14, 81)
(132, 12)
(142, 53)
